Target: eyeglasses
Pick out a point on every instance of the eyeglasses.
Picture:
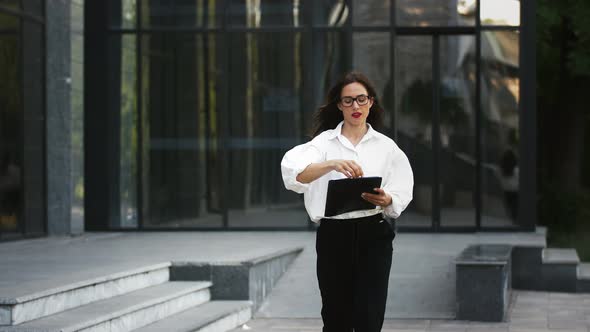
(360, 99)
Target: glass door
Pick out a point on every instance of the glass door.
(435, 121)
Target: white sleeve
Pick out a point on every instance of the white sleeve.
(295, 161)
(399, 184)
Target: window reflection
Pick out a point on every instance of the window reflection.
(329, 12)
(177, 13)
(260, 13)
(328, 62)
(500, 127)
(22, 119)
(500, 12)
(266, 103)
(432, 13)
(371, 12)
(181, 167)
(123, 13)
(492, 12)
(273, 77)
(457, 160)
(128, 132)
(371, 54)
(10, 184)
(413, 72)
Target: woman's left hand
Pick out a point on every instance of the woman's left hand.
(381, 198)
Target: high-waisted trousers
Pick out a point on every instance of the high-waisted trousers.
(353, 263)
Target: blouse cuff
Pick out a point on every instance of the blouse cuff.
(290, 178)
(395, 209)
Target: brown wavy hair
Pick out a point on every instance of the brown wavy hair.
(328, 116)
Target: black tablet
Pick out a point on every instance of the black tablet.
(344, 195)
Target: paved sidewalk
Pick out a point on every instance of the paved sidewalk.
(422, 284)
(530, 312)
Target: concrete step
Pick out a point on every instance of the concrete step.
(584, 271)
(214, 316)
(559, 270)
(32, 306)
(560, 256)
(125, 312)
(583, 278)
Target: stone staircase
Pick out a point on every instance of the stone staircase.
(486, 274)
(170, 296)
(123, 302)
(549, 269)
(583, 278)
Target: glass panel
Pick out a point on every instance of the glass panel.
(457, 163)
(123, 13)
(34, 7)
(33, 132)
(413, 103)
(181, 13)
(77, 20)
(371, 12)
(371, 56)
(329, 12)
(260, 13)
(123, 96)
(77, 108)
(77, 98)
(500, 127)
(330, 53)
(432, 13)
(181, 166)
(10, 133)
(8, 22)
(11, 4)
(265, 120)
(500, 12)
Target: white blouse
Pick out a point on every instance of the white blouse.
(377, 154)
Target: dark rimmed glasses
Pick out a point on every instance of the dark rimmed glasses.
(360, 100)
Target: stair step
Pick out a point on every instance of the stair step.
(584, 271)
(47, 302)
(215, 316)
(560, 256)
(125, 312)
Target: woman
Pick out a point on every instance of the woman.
(353, 249)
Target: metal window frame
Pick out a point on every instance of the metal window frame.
(307, 30)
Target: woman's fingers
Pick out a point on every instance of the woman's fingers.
(381, 198)
(373, 199)
(346, 170)
(356, 170)
(349, 168)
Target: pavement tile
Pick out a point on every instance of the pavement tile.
(524, 329)
(529, 323)
(488, 329)
(406, 324)
(568, 324)
(448, 325)
(563, 296)
(566, 315)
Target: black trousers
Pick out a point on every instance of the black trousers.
(353, 263)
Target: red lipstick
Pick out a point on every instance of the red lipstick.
(356, 115)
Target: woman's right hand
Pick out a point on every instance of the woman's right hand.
(347, 167)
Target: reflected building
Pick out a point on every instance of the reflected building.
(174, 115)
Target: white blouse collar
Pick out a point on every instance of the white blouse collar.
(338, 131)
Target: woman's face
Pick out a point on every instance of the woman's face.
(352, 98)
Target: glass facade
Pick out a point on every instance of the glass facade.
(208, 95)
(22, 119)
